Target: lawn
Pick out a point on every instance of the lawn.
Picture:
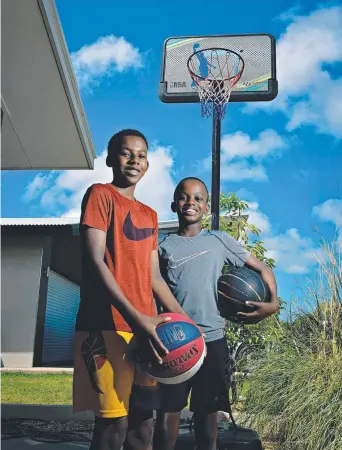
(55, 389)
(52, 389)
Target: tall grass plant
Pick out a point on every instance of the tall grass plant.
(294, 395)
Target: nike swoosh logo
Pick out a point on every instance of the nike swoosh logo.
(174, 264)
(132, 233)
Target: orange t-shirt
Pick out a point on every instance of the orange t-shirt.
(131, 235)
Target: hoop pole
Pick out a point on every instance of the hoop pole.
(215, 173)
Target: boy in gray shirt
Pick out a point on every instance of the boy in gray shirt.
(191, 263)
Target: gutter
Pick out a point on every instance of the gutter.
(59, 47)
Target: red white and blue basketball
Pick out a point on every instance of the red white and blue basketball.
(235, 287)
(185, 343)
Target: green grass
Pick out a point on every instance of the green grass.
(242, 386)
(23, 388)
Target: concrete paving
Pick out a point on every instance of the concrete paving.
(54, 421)
(43, 412)
(58, 412)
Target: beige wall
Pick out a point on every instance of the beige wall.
(20, 281)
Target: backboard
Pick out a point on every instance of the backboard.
(258, 80)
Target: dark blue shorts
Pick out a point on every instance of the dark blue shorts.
(209, 388)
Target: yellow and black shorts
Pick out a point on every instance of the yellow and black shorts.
(107, 379)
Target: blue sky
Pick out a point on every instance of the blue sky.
(283, 157)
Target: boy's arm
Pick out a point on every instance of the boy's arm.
(265, 309)
(161, 289)
(95, 241)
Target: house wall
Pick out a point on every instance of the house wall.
(27, 254)
(20, 282)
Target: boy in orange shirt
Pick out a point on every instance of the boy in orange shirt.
(120, 274)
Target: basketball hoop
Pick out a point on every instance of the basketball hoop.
(215, 71)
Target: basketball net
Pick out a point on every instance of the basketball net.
(215, 71)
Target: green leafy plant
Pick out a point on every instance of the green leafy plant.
(234, 221)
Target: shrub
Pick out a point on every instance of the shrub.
(294, 395)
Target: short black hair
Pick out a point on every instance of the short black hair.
(180, 184)
(115, 142)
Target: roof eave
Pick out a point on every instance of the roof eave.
(61, 54)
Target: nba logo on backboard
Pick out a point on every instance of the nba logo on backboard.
(177, 84)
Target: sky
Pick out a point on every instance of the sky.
(283, 157)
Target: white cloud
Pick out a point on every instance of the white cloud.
(289, 14)
(331, 211)
(258, 218)
(243, 170)
(63, 193)
(39, 183)
(107, 55)
(255, 215)
(241, 155)
(322, 109)
(156, 188)
(246, 195)
(307, 43)
(293, 254)
(309, 94)
(240, 145)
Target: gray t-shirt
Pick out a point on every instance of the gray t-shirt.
(191, 267)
